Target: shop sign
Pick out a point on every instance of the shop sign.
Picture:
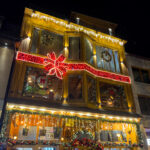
(58, 66)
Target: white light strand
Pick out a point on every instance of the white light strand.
(77, 28)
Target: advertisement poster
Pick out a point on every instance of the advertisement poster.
(49, 133)
(46, 133)
(27, 133)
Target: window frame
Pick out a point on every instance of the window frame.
(80, 47)
(113, 50)
(117, 84)
(140, 72)
(55, 31)
(76, 101)
(84, 49)
(143, 96)
(94, 78)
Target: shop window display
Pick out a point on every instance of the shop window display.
(91, 86)
(23, 148)
(39, 85)
(115, 136)
(107, 59)
(75, 87)
(44, 41)
(35, 37)
(112, 95)
(52, 128)
(74, 48)
(50, 42)
(89, 51)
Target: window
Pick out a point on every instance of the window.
(24, 148)
(48, 148)
(74, 48)
(89, 51)
(35, 37)
(112, 95)
(44, 42)
(75, 87)
(144, 104)
(113, 136)
(141, 75)
(37, 84)
(107, 59)
(50, 42)
(147, 130)
(91, 86)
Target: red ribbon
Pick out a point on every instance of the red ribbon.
(55, 65)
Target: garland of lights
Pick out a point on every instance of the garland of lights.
(78, 28)
(4, 138)
(56, 66)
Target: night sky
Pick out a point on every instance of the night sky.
(131, 16)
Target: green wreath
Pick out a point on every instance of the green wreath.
(106, 56)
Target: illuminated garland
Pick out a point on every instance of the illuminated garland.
(4, 138)
(66, 116)
(12, 142)
(57, 66)
(78, 28)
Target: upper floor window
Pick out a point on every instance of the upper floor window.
(89, 51)
(75, 83)
(112, 95)
(141, 75)
(144, 104)
(38, 85)
(44, 41)
(91, 89)
(107, 59)
(74, 48)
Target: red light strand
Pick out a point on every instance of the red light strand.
(56, 66)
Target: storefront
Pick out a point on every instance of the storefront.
(65, 78)
(47, 129)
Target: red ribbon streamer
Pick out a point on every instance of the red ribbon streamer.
(56, 66)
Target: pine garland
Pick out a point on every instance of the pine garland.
(4, 138)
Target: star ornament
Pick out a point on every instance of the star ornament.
(55, 66)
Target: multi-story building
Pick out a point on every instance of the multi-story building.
(7, 42)
(70, 88)
(140, 75)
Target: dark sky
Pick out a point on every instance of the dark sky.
(131, 16)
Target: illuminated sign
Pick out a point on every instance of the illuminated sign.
(57, 66)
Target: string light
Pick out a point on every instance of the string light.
(22, 107)
(88, 114)
(60, 68)
(71, 113)
(75, 113)
(32, 108)
(79, 28)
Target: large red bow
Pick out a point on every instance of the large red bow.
(55, 65)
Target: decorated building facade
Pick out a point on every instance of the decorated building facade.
(70, 90)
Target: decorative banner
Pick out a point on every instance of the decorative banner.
(46, 133)
(56, 66)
